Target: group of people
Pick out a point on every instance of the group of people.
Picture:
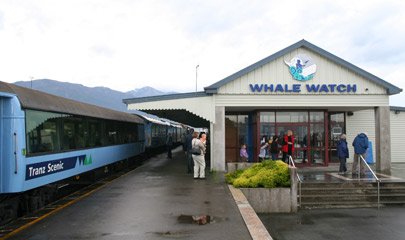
(272, 147)
(195, 148)
(360, 144)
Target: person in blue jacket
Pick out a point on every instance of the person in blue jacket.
(360, 144)
(342, 153)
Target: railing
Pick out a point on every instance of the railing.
(291, 163)
(374, 175)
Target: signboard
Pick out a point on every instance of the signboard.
(302, 69)
(50, 167)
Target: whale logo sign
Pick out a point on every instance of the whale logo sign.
(302, 68)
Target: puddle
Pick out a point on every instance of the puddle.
(194, 219)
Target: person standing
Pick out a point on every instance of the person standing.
(189, 138)
(288, 146)
(342, 153)
(262, 153)
(274, 148)
(199, 160)
(243, 153)
(304, 149)
(360, 144)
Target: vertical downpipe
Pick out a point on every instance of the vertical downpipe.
(15, 153)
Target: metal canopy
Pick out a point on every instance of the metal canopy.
(181, 116)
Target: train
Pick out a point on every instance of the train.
(46, 139)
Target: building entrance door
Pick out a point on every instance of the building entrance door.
(300, 132)
(336, 129)
(311, 141)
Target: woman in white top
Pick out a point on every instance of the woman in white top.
(199, 160)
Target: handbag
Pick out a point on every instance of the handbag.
(195, 150)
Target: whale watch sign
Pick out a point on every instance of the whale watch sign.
(302, 69)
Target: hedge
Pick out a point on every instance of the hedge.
(267, 174)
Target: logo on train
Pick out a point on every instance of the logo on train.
(301, 67)
(41, 169)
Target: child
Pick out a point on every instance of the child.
(243, 153)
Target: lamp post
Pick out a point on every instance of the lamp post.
(196, 70)
(31, 81)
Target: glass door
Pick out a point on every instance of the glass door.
(337, 127)
(300, 132)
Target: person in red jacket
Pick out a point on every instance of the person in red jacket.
(288, 145)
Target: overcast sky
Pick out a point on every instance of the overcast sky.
(128, 44)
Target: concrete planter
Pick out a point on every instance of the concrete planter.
(274, 200)
(269, 200)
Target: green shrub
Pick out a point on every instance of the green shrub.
(230, 177)
(268, 174)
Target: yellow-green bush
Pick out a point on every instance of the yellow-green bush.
(268, 174)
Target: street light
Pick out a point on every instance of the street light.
(196, 70)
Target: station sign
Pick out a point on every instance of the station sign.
(302, 68)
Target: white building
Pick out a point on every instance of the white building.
(303, 88)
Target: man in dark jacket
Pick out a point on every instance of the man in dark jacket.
(190, 162)
(360, 144)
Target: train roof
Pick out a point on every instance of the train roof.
(150, 117)
(37, 100)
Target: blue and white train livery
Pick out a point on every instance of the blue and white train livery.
(45, 138)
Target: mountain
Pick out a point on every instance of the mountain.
(100, 96)
(146, 92)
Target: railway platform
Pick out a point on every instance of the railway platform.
(155, 201)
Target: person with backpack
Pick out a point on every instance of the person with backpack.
(360, 144)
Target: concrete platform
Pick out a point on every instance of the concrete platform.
(155, 201)
(387, 223)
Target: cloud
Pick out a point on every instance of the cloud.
(128, 44)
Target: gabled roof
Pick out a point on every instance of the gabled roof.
(391, 89)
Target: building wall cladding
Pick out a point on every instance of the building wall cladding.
(277, 72)
(397, 137)
(360, 121)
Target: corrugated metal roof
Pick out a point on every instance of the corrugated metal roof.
(37, 100)
(165, 97)
(397, 108)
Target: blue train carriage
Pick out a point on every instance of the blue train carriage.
(155, 131)
(176, 130)
(45, 138)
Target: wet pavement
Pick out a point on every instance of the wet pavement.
(320, 224)
(387, 223)
(155, 201)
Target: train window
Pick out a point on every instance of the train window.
(42, 133)
(95, 133)
(48, 132)
(111, 132)
(73, 133)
